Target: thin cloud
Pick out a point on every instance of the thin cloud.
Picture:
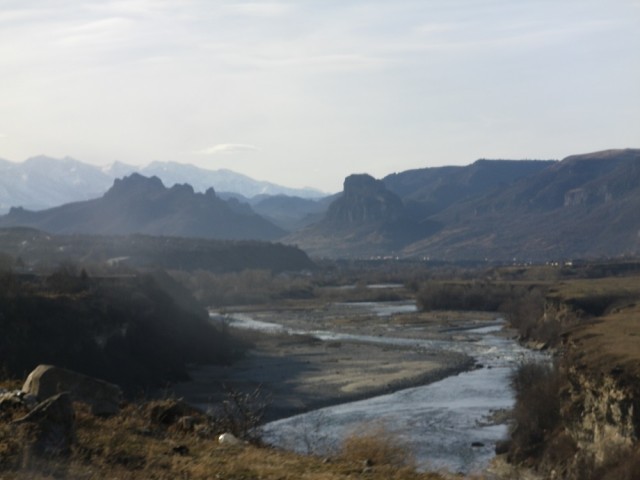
(327, 62)
(19, 16)
(98, 31)
(227, 148)
(260, 9)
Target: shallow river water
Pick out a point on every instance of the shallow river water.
(446, 424)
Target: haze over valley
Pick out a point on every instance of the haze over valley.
(381, 240)
(584, 206)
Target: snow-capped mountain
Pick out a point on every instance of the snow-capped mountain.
(222, 180)
(44, 182)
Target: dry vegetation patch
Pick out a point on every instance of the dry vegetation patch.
(376, 445)
(136, 444)
(611, 339)
(611, 343)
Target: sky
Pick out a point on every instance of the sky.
(306, 92)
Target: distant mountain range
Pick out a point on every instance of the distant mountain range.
(584, 206)
(138, 204)
(43, 182)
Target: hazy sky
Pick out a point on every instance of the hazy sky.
(305, 92)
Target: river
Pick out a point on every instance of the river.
(447, 424)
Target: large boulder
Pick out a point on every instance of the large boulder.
(47, 380)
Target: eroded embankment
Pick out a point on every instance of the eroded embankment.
(598, 394)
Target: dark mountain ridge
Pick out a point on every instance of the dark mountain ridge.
(583, 206)
(427, 191)
(366, 217)
(137, 204)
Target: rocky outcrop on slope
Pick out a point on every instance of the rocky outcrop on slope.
(364, 200)
(366, 220)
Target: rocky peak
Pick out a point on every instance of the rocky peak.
(364, 200)
(136, 183)
(362, 183)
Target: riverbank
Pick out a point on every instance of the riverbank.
(297, 373)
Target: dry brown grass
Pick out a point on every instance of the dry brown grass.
(131, 446)
(376, 446)
(612, 339)
(613, 342)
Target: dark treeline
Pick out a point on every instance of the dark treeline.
(138, 331)
(43, 251)
(522, 305)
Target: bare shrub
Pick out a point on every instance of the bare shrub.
(537, 409)
(376, 445)
(524, 310)
(242, 414)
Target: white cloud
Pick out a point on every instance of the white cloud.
(226, 148)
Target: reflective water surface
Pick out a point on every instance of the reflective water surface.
(447, 424)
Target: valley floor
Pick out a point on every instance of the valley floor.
(298, 373)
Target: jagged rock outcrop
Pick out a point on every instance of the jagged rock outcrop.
(364, 200)
(605, 413)
(138, 204)
(365, 220)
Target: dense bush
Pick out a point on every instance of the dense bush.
(537, 410)
(525, 312)
(523, 305)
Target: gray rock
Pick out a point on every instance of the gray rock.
(47, 380)
(16, 398)
(53, 422)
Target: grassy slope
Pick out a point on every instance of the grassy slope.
(133, 446)
(611, 340)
